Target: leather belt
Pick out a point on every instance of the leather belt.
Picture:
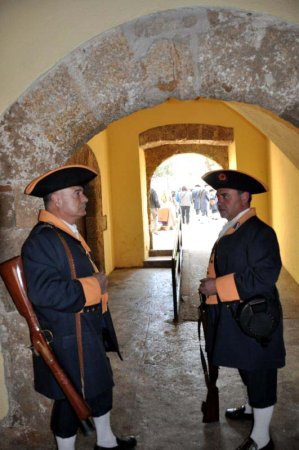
(91, 308)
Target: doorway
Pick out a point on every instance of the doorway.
(184, 171)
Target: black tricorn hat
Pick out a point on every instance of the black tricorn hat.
(234, 179)
(60, 178)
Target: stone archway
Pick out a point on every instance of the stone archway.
(184, 53)
(160, 143)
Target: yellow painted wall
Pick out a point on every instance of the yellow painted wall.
(122, 168)
(126, 191)
(252, 157)
(144, 205)
(284, 180)
(232, 157)
(99, 145)
(126, 185)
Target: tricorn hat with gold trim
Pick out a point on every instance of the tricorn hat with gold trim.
(234, 179)
(60, 178)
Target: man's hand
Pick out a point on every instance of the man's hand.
(103, 281)
(207, 286)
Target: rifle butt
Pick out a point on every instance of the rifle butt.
(86, 427)
(210, 408)
(12, 273)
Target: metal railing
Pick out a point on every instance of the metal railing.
(176, 264)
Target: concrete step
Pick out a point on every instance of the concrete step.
(157, 261)
(160, 252)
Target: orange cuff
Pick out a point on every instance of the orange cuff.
(92, 290)
(226, 288)
(105, 302)
(212, 300)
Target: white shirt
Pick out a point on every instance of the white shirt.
(73, 228)
(232, 222)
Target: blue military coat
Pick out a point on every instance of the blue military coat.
(56, 298)
(251, 254)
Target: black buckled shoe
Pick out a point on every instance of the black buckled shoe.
(238, 414)
(249, 444)
(122, 443)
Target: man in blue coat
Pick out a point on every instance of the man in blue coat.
(245, 263)
(69, 296)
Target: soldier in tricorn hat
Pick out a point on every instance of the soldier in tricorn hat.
(245, 262)
(70, 297)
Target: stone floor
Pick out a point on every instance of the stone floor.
(160, 385)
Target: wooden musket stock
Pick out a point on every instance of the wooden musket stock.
(12, 274)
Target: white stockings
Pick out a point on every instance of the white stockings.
(261, 428)
(66, 443)
(105, 436)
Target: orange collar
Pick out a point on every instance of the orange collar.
(46, 216)
(240, 222)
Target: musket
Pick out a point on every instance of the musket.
(13, 276)
(210, 407)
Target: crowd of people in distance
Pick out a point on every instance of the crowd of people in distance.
(166, 208)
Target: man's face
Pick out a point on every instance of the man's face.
(231, 202)
(70, 203)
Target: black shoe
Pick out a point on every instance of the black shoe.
(269, 446)
(238, 414)
(249, 444)
(124, 443)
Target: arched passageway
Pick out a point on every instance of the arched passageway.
(184, 169)
(163, 142)
(184, 54)
(160, 143)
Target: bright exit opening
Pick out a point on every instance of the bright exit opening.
(179, 178)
